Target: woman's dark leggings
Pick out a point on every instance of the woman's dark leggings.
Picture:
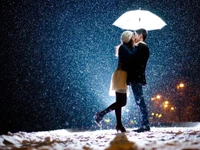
(121, 100)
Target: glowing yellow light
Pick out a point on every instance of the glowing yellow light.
(152, 114)
(160, 116)
(172, 108)
(166, 102)
(107, 120)
(181, 85)
(158, 96)
(165, 105)
(156, 114)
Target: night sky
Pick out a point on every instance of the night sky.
(57, 58)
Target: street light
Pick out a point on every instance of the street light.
(157, 97)
(180, 87)
(172, 108)
(166, 104)
(161, 104)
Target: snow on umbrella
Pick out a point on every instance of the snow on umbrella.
(136, 19)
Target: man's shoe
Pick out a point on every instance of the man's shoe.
(98, 118)
(142, 129)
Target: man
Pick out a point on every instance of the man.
(136, 76)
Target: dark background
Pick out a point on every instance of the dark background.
(57, 57)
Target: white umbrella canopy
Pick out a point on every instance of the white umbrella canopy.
(136, 19)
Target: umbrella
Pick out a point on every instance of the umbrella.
(136, 19)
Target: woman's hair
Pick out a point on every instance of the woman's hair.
(126, 36)
(117, 50)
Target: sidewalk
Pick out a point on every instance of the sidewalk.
(159, 138)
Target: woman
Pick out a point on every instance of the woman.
(119, 80)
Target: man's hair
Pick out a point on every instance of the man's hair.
(143, 32)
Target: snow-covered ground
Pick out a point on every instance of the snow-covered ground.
(173, 138)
